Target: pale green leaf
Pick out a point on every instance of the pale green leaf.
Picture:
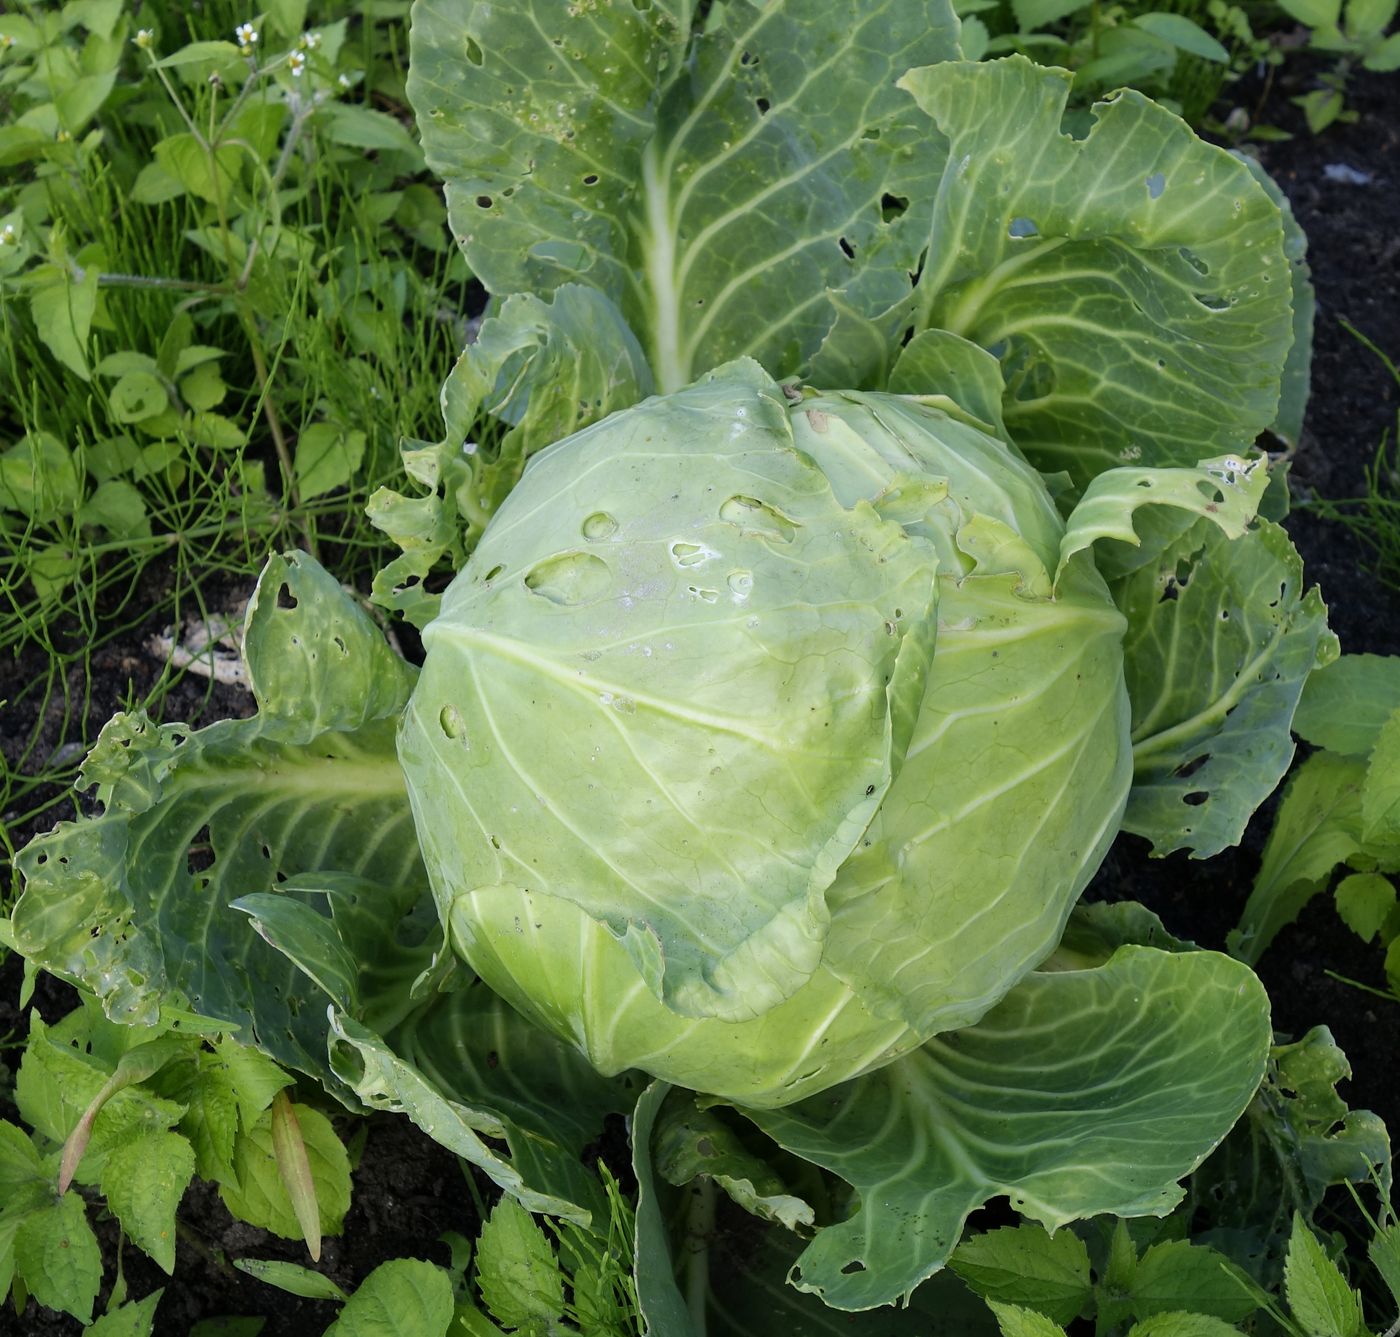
(137, 395)
(1181, 1324)
(208, 174)
(287, 16)
(203, 388)
(292, 1278)
(136, 1318)
(1314, 13)
(214, 430)
(1085, 1091)
(1345, 705)
(1385, 57)
(39, 478)
(364, 128)
(143, 1181)
(405, 1297)
(257, 1193)
(63, 312)
(1014, 1321)
(1318, 826)
(1365, 901)
(1380, 795)
(1022, 1265)
(1183, 34)
(516, 1269)
(326, 458)
(1318, 1296)
(196, 52)
(1366, 19)
(58, 1257)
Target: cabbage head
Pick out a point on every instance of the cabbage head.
(753, 745)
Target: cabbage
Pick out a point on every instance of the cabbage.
(764, 736)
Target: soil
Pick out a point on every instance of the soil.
(408, 1190)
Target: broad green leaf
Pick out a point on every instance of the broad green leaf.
(210, 1120)
(937, 364)
(1380, 795)
(287, 16)
(1032, 14)
(292, 1278)
(194, 53)
(136, 1318)
(1318, 826)
(1384, 1253)
(702, 176)
(57, 1255)
(1221, 639)
(1183, 34)
(1179, 1276)
(1022, 1265)
(1142, 309)
(1320, 1300)
(1296, 386)
(1385, 56)
(1047, 1100)
(20, 1165)
(516, 1269)
(203, 389)
(135, 902)
(63, 309)
(1345, 705)
(327, 457)
(405, 1297)
(663, 1307)
(259, 1196)
(205, 173)
(465, 1067)
(577, 353)
(1365, 901)
(253, 1078)
(1180, 1324)
(143, 1181)
(691, 1142)
(214, 430)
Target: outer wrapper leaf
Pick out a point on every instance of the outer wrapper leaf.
(134, 903)
(704, 180)
(1083, 1092)
(1134, 280)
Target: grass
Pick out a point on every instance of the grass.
(345, 318)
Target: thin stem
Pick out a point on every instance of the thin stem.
(110, 280)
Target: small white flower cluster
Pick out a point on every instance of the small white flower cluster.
(6, 41)
(296, 62)
(247, 36)
(309, 41)
(8, 235)
(144, 37)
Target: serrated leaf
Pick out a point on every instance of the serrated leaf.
(1179, 1276)
(258, 1194)
(1346, 704)
(516, 1270)
(58, 1258)
(405, 1297)
(1384, 1252)
(1318, 826)
(143, 1181)
(999, 1108)
(1318, 1296)
(1380, 795)
(210, 1121)
(1025, 1266)
(20, 1165)
(1015, 1321)
(136, 1318)
(1183, 1325)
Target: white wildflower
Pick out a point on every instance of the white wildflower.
(309, 41)
(144, 37)
(8, 236)
(344, 81)
(297, 62)
(247, 36)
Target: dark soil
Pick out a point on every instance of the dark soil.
(408, 1190)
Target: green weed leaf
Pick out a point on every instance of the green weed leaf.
(404, 1297)
(1365, 901)
(1346, 704)
(1024, 1266)
(57, 1255)
(1321, 1301)
(143, 1181)
(516, 1270)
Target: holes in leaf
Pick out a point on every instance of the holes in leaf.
(757, 517)
(1194, 260)
(591, 179)
(1211, 302)
(1188, 769)
(1022, 227)
(599, 525)
(748, 58)
(285, 597)
(495, 842)
(892, 207)
(484, 202)
(1144, 482)
(493, 573)
(854, 1266)
(705, 595)
(871, 132)
(569, 578)
(474, 53)
(1156, 184)
(200, 855)
(1195, 798)
(847, 249)
(763, 105)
